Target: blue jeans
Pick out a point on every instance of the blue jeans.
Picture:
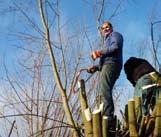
(146, 93)
(108, 76)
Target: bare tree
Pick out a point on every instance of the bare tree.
(37, 95)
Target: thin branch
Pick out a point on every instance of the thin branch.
(8, 120)
(13, 87)
(62, 52)
(11, 128)
(116, 9)
(156, 61)
(40, 132)
(34, 115)
(47, 110)
(27, 17)
(100, 13)
(43, 100)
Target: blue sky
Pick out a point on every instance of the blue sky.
(132, 21)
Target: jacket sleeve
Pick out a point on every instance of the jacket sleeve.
(113, 45)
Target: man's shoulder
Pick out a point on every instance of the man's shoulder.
(115, 33)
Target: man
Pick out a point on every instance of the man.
(145, 79)
(110, 66)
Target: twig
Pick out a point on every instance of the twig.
(11, 128)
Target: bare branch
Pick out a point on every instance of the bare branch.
(11, 128)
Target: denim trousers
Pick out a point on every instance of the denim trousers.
(108, 76)
(147, 93)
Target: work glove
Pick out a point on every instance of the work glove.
(92, 69)
(95, 54)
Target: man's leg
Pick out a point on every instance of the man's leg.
(108, 76)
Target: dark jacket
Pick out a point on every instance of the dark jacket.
(137, 67)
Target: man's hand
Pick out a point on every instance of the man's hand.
(95, 54)
(92, 69)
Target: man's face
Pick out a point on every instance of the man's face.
(106, 29)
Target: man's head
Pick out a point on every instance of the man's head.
(106, 28)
